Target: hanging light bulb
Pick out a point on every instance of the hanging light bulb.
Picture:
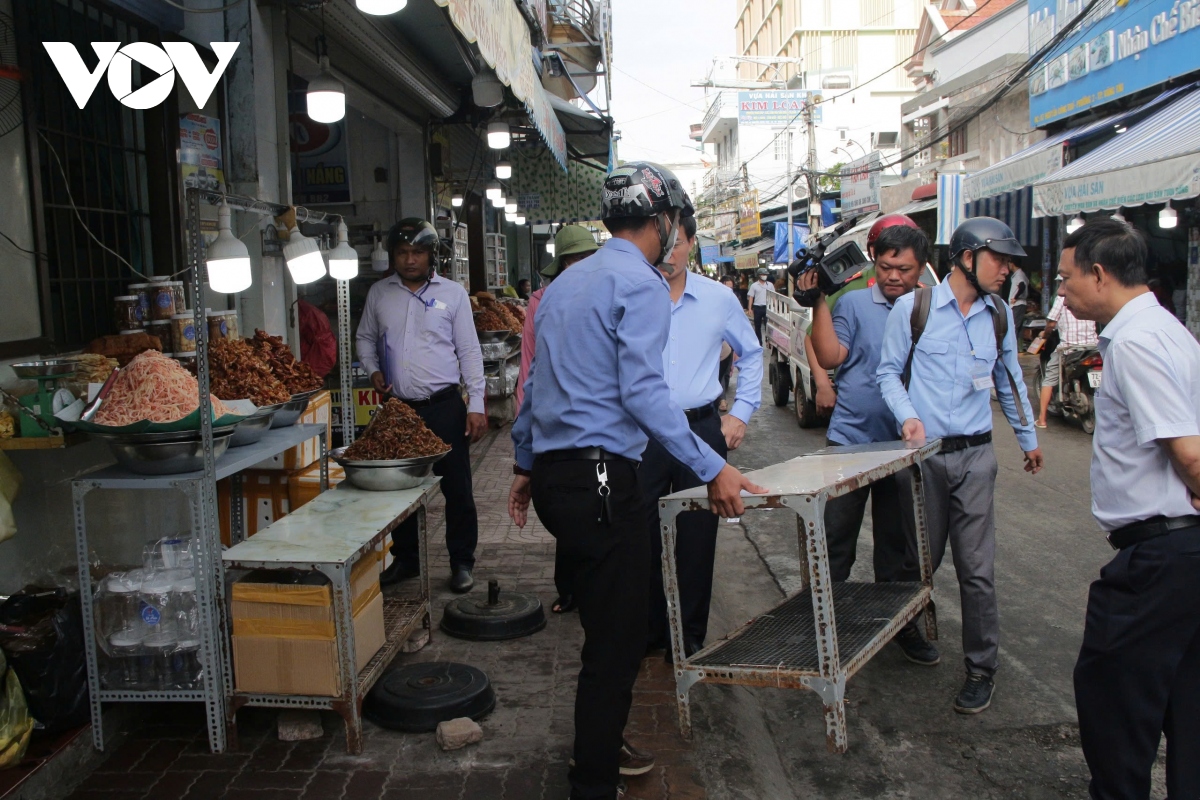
(343, 259)
(1168, 218)
(486, 89)
(520, 219)
(457, 200)
(379, 258)
(1075, 224)
(511, 207)
(499, 200)
(550, 248)
(498, 136)
(503, 170)
(326, 94)
(380, 8)
(228, 258)
(303, 257)
(494, 190)
(510, 217)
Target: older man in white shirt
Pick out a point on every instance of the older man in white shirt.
(1138, 673)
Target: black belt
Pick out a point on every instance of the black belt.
(436, 397)
(952, 444)
(701, 412)
(1137, 532)
(581, 454)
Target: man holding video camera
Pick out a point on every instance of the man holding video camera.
(849, 339)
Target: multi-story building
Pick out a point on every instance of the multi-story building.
(849, 56)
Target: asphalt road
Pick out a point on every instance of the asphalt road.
(905, 739)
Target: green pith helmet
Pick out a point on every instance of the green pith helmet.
(570, 240)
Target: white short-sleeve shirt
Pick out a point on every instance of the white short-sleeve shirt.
(1150, 391)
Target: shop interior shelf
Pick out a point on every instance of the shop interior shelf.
(234, 460)
(785, 639)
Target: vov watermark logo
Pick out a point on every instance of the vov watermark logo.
(164, 61)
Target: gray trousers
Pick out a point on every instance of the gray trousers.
(959, 509)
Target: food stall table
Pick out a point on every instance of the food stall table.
(214, 658)
(330, 534)
(799, 644)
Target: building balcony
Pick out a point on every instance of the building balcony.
(721, 117)
(576, 31)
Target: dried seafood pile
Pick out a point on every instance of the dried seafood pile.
(396, 432)
(496, 316)
(240, 373)
(295, 375)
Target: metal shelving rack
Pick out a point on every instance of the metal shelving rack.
(200, 489)
(799, 644)
(460, 259)
(496, 259)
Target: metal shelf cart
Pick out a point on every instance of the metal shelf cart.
(801, 643)
(330, 534)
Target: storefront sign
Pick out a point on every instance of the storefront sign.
(1013, 175)
(502, 35)
(1152, 182)
(709, 253)
(320, 157)
(749, 221)
(860, 185)
(200, 152)
(726, 222)
(366, 403)
(779, 108)
(746, 261)
(1122, 48)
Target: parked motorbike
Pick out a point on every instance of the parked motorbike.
(1080, 371)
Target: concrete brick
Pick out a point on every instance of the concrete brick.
(458, 733)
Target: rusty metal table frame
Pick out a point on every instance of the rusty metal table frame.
(403, 615)
(828, 676)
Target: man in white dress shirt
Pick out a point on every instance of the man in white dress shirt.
(1138, 673)
(756, 300)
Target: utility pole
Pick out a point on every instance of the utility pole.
(790, 180)
(813, 191)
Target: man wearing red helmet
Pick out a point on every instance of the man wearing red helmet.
(850, 339)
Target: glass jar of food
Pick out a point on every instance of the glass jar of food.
(125, 313)
(177, 291)
(217, 326)
(162, 301)
(183, 333)
(142, 292)
(162, 329)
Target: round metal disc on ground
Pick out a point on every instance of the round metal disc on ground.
(499, 615)
(416, 697)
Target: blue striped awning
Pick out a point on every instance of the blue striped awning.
(1014, 209)
(1156, 160)
(950, 205)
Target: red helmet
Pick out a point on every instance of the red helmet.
(886, 221)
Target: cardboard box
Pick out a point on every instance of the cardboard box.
(283, 634)
(305, 484)
(305, 453)
(264, 500)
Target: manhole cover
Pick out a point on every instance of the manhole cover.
(496, 616)
(416, 697)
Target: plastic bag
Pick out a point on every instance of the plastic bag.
(41, 633)
(16, 726)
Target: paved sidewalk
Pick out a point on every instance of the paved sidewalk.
(527, 739)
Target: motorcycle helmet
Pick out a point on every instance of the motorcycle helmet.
(884, 222)
(414, 231)
(642, 189)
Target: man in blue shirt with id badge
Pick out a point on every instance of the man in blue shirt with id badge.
(941, 358)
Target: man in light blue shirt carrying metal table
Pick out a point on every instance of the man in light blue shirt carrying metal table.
(936, 372)
(704, 315)
(1138, 673)
(595, 390)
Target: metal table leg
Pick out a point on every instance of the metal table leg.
(924, 558)
(349, 706)
(668, 514)
(214, 658)
(832, 683)
(324, 461)
(79, 492)
(423, 560)
(237, 510)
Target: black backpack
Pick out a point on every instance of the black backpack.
(923, 298)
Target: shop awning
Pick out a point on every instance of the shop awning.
(587, 134)
(1044, 158)
(545, 195)
(1014, 209)
(917, 206)
(1156, 160)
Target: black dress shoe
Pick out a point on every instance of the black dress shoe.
(461, 581)
(398, 571)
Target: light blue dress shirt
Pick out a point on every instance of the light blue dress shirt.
(596, 378)
(860, 415)
(1150, 390)
(706, 315)
(953, 371)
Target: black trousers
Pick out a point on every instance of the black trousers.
(610, 564)
(891, 526)
(695, 540)
(447, 419)
(760, 317)
(724, 371)
(1138, 673)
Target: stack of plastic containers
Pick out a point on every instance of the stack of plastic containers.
(147, 623)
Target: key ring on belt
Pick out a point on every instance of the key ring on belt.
(602, 477)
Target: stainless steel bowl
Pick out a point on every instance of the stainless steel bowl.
(493, 336)
(250, 430)
(387, 476)
(166, 457)
(292, 410)
(54, 368)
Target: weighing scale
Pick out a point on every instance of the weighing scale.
(40, 407)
